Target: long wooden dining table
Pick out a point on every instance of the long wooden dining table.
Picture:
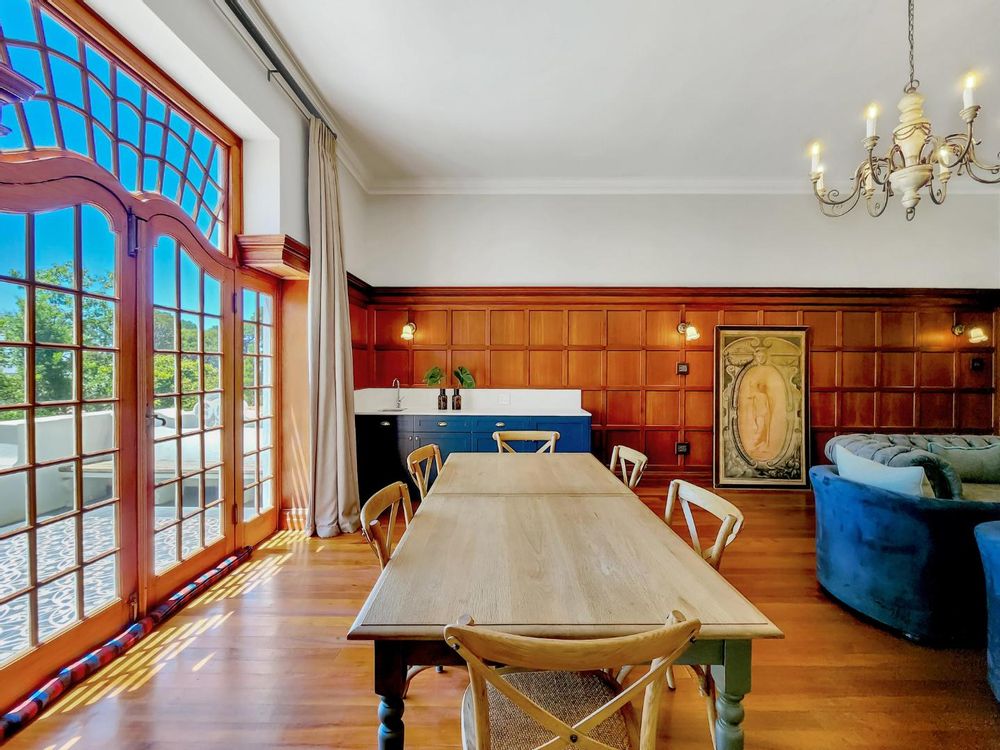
(548, 545)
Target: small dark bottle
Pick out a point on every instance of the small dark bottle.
(456, 400)
(442, 400)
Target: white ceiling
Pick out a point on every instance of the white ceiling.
(631, 95)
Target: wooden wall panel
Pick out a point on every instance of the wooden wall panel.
(879, 360)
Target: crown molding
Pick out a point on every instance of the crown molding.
(347, 156)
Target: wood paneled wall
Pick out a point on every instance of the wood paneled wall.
(880, 360)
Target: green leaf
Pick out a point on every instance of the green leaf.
(464, 377)
(434, 376)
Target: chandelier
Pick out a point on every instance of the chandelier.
(917, 158)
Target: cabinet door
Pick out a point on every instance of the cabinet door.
(448, 442)
(574, 434)
(380, 455)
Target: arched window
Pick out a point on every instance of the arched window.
(88, 103)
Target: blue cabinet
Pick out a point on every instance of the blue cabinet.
(384, 441)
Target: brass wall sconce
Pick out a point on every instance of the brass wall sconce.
(689, 330)
(408, 330)
(976, 334)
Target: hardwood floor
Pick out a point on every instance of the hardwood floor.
(260, 661)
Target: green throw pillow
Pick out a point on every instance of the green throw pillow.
(979, 465)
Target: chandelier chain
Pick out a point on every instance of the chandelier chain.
(914, 83)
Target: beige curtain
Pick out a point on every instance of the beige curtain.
(333, 499)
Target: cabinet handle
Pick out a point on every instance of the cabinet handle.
(385, 424)
(501, 424)
(442, 424)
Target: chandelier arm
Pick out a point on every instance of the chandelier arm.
(880, 204)
(939, 192)
(965, 142)
(836, 210)
(993, 169)
(875, 165)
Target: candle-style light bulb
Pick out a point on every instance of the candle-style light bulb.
(820, 185)
(814, 151)
(872, 115)
(969, 93)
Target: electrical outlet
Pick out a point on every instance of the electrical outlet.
(978, 364)
(503, 399)
(683, 449)
(683, 368)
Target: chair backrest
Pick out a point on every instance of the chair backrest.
(686, 494)
(419, 465)
(660, 647)
(379, 539)
(621, 457)
(514, 436)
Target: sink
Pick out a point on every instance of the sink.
(395, 409)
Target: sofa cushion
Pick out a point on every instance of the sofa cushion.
(908, 480)
(980, 464)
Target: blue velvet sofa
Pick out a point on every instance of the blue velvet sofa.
(907, 562)
(988, 536)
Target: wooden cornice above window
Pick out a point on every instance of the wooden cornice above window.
(276, 254)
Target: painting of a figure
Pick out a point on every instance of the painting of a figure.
(761, 421)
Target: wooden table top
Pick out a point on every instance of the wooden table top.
(526, 474)
(548, 565)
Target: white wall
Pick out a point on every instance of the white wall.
(674, 240)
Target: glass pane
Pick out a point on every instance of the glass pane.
(249, 371)
(249, 470)
(99, 428)
(213, 524)
(54, 233)
(190, 332)
(164, 373)
(213, 453)
(249, 304)
(13, 301)
(266, 308)
(98, 249)
(13, 438)
(55, 432)
(98, 375)
(13, 375)
(249, 437)
(190, 283)
(213, 372)
(14, 628)
(191, 536)
(190, 413)
(266, 495)
(249, 338)
(213, 410)
(190, 373)
(14, 567)
(56, 547)
(212, 336)
(265, 402)
(213, 484)
(13, 505)
(100, 532)
(166, 461)
(169, 422)
(265, 433)
(166, 505)
(191, 453)
(165, 272)
(98, 322)
(55, 490)
(213, 296)
(164, 330)
(57, 606)
(165, 548)
(249, 404)
(12, 243)
(265, 340)
(265, 464)
(100, 584)
(55, 317)
(266, 370)
(249, 503)
(191, 495)
(54, 373)
(100, 477)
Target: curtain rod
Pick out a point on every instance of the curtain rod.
(275, 61)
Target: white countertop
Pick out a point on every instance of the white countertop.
(490, 402)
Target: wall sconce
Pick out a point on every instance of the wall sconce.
(408, 330)
(690, 331)
(976, 334)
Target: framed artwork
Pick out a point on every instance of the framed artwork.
(761, 407)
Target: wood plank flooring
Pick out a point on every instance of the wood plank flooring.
(261, 661)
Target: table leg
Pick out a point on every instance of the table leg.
(732, 681)
(390, 680)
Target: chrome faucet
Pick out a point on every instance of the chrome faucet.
(399, 398)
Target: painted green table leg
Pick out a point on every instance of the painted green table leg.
(732, 682)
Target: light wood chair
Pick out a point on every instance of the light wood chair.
(556, 693)
(419, 464)
(621, 457)
(382, 541)
(688, 495)
(515, 436)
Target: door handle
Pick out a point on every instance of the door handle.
(501, 424)
(385, 424)
(442, 424)
(152, 415)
